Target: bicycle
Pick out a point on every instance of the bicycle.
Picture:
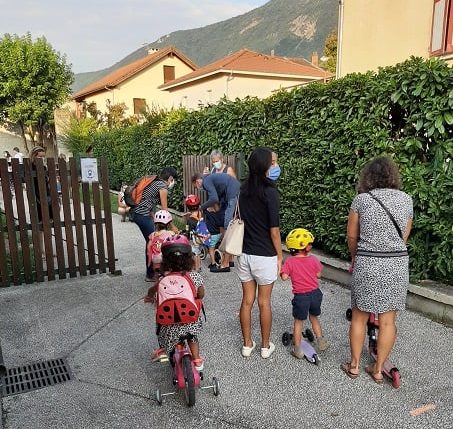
(185, 376)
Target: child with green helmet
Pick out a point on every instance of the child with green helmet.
(304, 270)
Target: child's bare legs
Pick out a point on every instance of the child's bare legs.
(297, 332)
(322, 343)
(315, 325)
(196, 262)
(211, 251)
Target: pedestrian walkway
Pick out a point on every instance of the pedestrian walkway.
(102, 325)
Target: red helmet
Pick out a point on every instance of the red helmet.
(177, 243)
(192, 201)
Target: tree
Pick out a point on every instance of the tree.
(34, 80)
(330, 53)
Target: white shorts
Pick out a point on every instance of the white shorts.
(262, 269)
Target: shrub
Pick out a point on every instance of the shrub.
(324, 134)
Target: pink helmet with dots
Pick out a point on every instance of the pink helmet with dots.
(163, 216)
(176, 243)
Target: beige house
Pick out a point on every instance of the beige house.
(243, 73)
(374, 33)
(137, 84)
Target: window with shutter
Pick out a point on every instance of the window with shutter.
(442, 27)
(139, 106)
(169, 73)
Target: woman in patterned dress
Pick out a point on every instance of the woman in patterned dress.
(380, 262)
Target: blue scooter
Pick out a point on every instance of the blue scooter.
(306, 348)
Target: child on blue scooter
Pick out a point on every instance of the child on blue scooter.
(304, 270)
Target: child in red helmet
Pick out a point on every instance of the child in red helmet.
(192, 203)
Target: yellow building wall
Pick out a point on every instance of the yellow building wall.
(383, 32)
(211, 90)
(142, 85)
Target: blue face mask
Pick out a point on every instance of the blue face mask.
(274, 172)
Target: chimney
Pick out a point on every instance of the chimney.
(314, 58)
(152, 50)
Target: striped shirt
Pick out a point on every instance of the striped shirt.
(150, 198)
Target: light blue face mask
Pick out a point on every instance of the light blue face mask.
(274, 172)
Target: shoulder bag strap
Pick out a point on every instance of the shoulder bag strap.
(388, 214)
(237, 212)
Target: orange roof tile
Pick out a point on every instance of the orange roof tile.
(129, 70)
(252, 62)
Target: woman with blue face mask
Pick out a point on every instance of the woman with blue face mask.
(218, 166)
(274, 171)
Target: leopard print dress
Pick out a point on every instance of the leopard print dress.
(379, 284)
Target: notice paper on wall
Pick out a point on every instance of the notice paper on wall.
(89, 170)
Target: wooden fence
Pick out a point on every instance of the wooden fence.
(70, 233)
(196, 164)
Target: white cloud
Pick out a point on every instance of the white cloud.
(96, 33)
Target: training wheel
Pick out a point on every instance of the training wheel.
(203, 253)
(349, 314)
(315, 359)
(158, 396)
(215, 386)
(286, 338)
(218, 256)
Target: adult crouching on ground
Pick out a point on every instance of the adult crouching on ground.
(261, 261)
(222, 189)
(143, 214)
(377, 243)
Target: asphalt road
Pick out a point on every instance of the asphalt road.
(102, 325)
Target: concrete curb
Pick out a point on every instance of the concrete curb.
(433, 300)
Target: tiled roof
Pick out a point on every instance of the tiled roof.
(252, 62)
(129, 70)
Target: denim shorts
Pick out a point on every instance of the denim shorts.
(196, 249)
(307, 303)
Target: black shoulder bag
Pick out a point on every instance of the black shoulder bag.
(388, 213)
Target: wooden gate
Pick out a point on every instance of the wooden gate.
(192, 164)
(51, 224)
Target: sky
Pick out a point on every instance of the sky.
(94, 34)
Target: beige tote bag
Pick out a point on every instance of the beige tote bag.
(234, 235)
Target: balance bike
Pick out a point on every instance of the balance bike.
(185, 376)
(309, 352)
(389, 370)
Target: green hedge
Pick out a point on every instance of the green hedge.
(324, 134)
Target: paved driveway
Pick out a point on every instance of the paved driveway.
(105, 329)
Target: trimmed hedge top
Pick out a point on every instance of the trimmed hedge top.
(324, 133)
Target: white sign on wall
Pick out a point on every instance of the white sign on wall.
(89, 170)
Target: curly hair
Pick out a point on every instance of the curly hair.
(381, 172)
(177, 262)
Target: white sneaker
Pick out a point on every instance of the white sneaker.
(247, 351)
(266, 352)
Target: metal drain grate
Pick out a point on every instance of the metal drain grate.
(35, 376)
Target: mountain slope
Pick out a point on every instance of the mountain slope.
(293, 28)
